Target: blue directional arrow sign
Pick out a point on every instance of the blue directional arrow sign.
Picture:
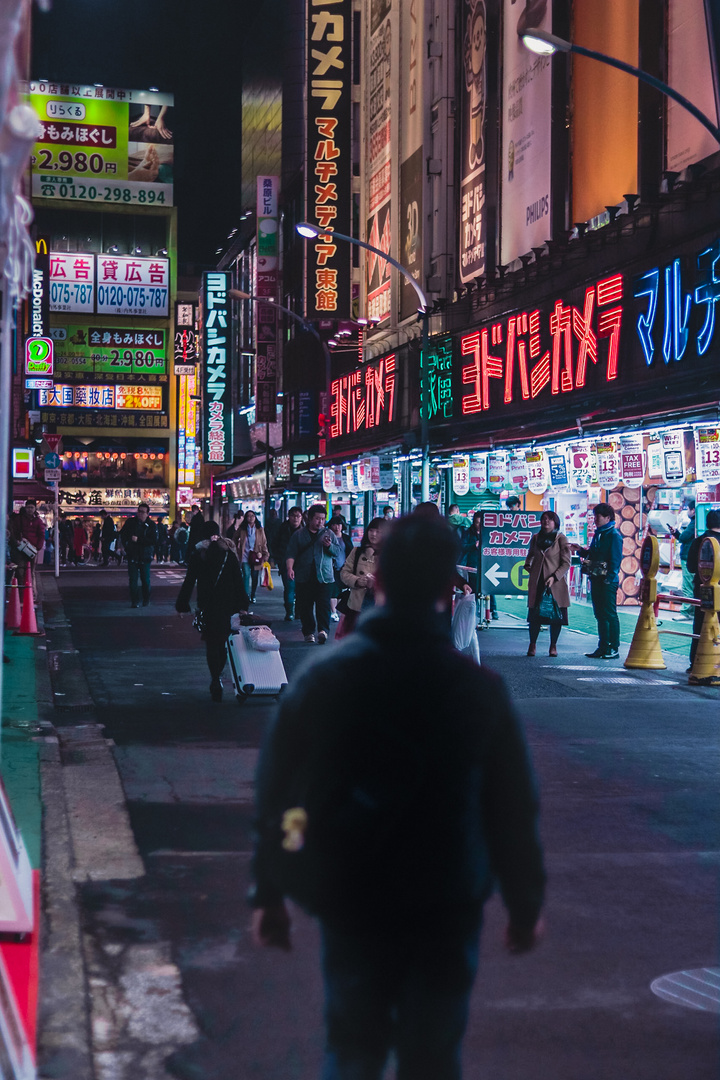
(52, 461)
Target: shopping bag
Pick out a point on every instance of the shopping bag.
(548, 607)
(266, 576)
(464, 622)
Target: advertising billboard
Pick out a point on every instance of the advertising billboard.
(473, 97)
(102, 145)
(329, 157)
(109, 284)
(266, 315)
(411, 151)
(122, 351)
(526, 132)
(378, 199)
(218, 369)
(690, 71)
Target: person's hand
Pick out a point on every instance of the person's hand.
(163, 132)
(143, 120)
(521, 939)
(291, 574)
(271, 927)
(369, 581)
(134, 539)
(467, 589)
(327, 540)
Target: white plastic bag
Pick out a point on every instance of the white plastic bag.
(261, 638)
(464, 633)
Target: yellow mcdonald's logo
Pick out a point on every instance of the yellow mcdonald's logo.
(41, 247)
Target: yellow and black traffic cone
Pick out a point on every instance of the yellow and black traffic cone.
(706, 665)
(645, 651)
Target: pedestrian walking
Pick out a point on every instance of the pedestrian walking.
(358, 573)
(139, 538)
(686, 537)
(336, 525)
(95, 542)
(712, 528)
(108, 535)
(182, 535)
(404, 808)
(312, 555)
(79, 541)
(196, 523)
(27, 532)
(234, 527)
(286, 530)
(472, 558)
(213, 566)
(548, 561)
(65, 535)
(252, 551)
(602, 564)
(162, 540)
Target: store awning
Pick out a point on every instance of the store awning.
(32, 489)
(247, 468)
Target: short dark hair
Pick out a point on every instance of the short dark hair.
(31, 502)
(605, 509)
(712, 521)
(144, 506)
(427, 510)
(295, 510)
(209, 528)
(453, 506)
(316, 508)
(417, 562)
(512, 500)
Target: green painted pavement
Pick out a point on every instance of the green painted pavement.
(19, 762)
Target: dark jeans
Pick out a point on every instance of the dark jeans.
(311, 595)
(139, 570)
(216, 634)
(105, 548)
(698, 619)
(409, 991)
(288, 593)
(604, 601)
(534, 625)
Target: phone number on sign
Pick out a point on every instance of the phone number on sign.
(52, 188)
(140, 296)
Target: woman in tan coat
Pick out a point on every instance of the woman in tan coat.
(547, 563)
(358, 573)
(252, 551)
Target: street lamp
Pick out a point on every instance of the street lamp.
(544, 43)
(310, 232)
(237, 294)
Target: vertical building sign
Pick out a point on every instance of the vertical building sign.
(473, 96)
(378, 161)
(526, 128)
(266, 315)
(217, 352)
(40, 300)
(411, 151)
(329, 156)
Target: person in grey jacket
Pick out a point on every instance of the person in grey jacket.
(312, 555)
(419, 800)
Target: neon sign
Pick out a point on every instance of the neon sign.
(439, 361)
(363, 399)
(216, 323)
(677, 306)
(517, 354)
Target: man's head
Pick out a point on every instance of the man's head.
(103, 514)
(210, 529)
(30, 507)
(316, 517)
(712, 521)
(603, 514)
(427, 510)
(512, 502)
(691, 507)
(295, 516)
(142, 511)
(195, 508)
(417, 563)
(454, 509)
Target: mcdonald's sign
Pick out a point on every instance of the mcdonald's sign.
(40, 295)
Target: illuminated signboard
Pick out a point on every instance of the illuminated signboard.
(40, 294)
(103, 418)
(363, 399)
(128, 285)
(679, 308)
(439, 366)
(267, 286)
(72, 282)
(96, 396)
(473, 97)
(378, 157)
(109, 350)
(39, 356)
(533, 352)
(329, 171)
(102, 145)
(218, 397)
(23, 463)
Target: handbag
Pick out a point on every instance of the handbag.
(548, 607)
(199, 617)
(254, 559)
(594, 569)
(267, 580)
(28, 550)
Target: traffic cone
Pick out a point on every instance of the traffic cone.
(12, 608)
(28, 622)
(706, 665)
(645, 651)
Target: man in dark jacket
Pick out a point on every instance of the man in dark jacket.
(282, 539)
(196, 528)
(712, 522)
(409, 803)
(108, 533)
(603, 559)
(139, 538)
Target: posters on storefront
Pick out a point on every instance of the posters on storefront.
(673, 458)
(517, 472)
(461, 474)
(378, 197)
(707, 454)
(538, 473)
(526, 133)
(410, 255)
(102, 145)
(387, 473)
(583, 465)
(473, 97)
(557, 468)
(608, 456)
(478, 473)
(496, 471)
(654, 460)
(632, 460)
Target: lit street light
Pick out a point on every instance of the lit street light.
(544, 43)
(310, 232)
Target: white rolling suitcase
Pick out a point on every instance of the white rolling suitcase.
(254, 672)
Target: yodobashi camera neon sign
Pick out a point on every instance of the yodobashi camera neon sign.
(363, 399)
(532, 351)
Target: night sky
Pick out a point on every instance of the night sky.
(191, 48)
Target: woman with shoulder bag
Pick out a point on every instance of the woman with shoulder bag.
(252, 551)
(358, 574)
(548, 561)
(214, 565)
(337, 526)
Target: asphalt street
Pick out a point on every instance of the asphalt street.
(627, 765)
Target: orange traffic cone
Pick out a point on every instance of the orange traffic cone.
(28, 622)
(12, 609)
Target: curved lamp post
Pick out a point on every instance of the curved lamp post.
(544, 43)
(310, 232)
